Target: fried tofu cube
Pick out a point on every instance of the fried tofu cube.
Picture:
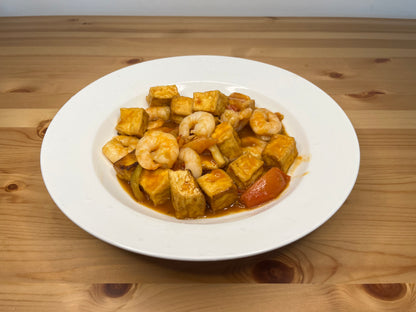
(181, 106)
(213, 102)
(253, 145)
(280, 152)
(133, 121)
(187, 198)
(228, 140)
(119, 146)
(125, 166)
(245, 170)
(155, 183)
(219, 189)
(161, 95)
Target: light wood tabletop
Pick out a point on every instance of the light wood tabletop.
(362, 259)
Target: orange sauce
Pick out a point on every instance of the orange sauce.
(165, 208)
(298, 161)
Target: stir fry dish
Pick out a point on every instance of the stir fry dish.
(203, 155)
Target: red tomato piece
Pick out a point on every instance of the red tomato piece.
(268, 187)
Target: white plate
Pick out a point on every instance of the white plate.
(83, 184)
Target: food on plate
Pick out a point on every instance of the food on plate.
(181, 106)
(213, 102)
(199, 124)
(269, 186)
(280, 152)
(228, 140)
(133, 121)
(191, 160)
(155, 183)
(201, 156)
(161, 95)
(119, 146)
(219, 188)
(134, 181)
(187, 198)
(126, 165)
(245, 170)
(157, 149)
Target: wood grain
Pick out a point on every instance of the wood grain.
(362, 259)
(207, 297)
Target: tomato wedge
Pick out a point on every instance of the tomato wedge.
(268, 187)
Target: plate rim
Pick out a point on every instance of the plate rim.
(205, 257)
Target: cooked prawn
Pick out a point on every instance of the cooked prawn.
(237, 119)
(239, 101)
(157, 116)
(265, 123)
(154, 124)
(157, 149)
(230, 116)
(217, 156)
(198, 123)
(192, 161)
(244, 116)
(158, 112)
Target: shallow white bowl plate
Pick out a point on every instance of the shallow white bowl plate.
(83, 184)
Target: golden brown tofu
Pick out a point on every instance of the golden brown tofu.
(280, 152)
(253, 145)
(125, 166)
(213, 102)
(187, 198)
(133, 121)
(181, 105)
(119, 146)
(227, 140)
(245, 170)
(219, 189)
(161, 95)
(155, 183)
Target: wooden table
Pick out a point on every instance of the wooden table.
(363, 258)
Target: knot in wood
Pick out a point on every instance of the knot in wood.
(134, 61)
(335, 75)
(22, 90)
(382, 60)
(11, 187)
(42, 127)
(272, 271)
(366, 94)
(116, 290)
(388, 292)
